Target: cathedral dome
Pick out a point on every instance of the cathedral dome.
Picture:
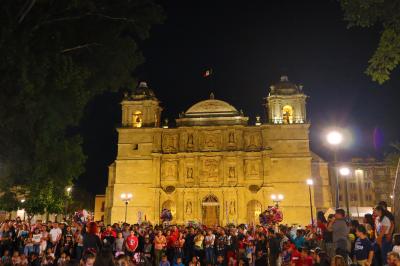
(211, 107)
(285, 87)
(143, 92)
(211, 112)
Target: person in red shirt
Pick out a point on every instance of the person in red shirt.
(131, 243)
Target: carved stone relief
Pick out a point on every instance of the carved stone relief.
(170, 143)
(252, 168)
(252, 141)
(169, 170)
(210, 140)
(210, 169)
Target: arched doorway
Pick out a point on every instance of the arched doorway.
(170, 205)
(287, 114)
(254, 208)
(210, 210)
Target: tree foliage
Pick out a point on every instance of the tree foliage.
(54, 57)
(385, 13)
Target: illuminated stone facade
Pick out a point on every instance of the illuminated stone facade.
(214, 167)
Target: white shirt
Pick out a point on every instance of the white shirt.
(385, 222)
(55, 233)
(396, 249)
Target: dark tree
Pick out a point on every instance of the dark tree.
(55, 55)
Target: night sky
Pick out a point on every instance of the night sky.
(249, 46)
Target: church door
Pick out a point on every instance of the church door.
(210, 211)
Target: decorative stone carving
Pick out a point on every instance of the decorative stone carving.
(170, 143)
(232, 171)
(252, 168)
(210, 169)
(169, 169)
(190, 142)
(189, 173)
(231, 139)
(252, 141)
(210, 140)
(188, 208)
(232, 207)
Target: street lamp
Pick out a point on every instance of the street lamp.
(22, 201)
(345, 171)
(310, 183)
(126, 197)
(277, 199)
(334, 139)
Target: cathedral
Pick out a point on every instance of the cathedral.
(214, 167)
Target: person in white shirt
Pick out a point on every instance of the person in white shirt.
(382, 232)
(209, 247)
(396, 242)
(55, 234)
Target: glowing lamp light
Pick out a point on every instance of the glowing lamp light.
(69, 189)
(344, 171)
(23, 200)
(310, 182)
(280, 197)
(273, 197)
(126, 196)
(334, 138)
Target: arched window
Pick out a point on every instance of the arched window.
(287, 114)
(137, 119)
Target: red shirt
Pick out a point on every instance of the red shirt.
(132, 242)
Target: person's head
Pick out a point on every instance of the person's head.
(132, 233)
(92, 228)
(164, 258)
(380, 211)
(15, 254)
(323, 258)
(88, 259)
(321, 217)
(122, 260)
(368, 219)
(340, 214)
(220, 259)
(63, 256)
(34, 255)
(304, 252)
(383, 204)
(159, 232)
(194, 259)
(6, 253)
(209, 232)
(119, 235)
(55, 225)
(178, 260)
(393, 259)
(361, 232)
(338, 261)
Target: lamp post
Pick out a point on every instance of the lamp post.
(277, 199)
(126, 197)
(22, 201)
(345, 171)
(334, 139)
(69, 189)
(310, 183)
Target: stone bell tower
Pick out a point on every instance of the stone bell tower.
(141, 108)
(286, 103)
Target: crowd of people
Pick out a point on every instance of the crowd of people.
(333, 240)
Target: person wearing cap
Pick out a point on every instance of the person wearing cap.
(340, 231)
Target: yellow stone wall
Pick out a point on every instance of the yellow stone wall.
(99, 207)
(239, 165)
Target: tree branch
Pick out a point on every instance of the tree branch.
(79, 47)
(27, 10)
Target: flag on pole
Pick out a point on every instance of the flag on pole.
(207, 73)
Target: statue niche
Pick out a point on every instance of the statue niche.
(210, 169)
(189, 173)
(170, 143)
(169, 170)
(190, 142)
(231, 172)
